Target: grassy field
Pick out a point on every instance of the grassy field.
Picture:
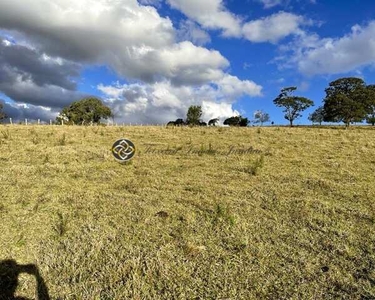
(287, 213)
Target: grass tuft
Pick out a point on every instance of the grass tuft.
(6, 134)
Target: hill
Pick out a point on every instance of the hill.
(199, 213)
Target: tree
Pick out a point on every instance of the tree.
(317, 116)
(293, 105)
(86, 111)
(261, 117)
(2, 113)
(371, 105)
(346, 101)
(237, 121)
(194, 115)
(213, 122)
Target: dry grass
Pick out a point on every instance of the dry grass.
(292, 219)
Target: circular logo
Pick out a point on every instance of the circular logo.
(123, 150)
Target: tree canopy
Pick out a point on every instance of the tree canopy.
(237, 121)
(317, 116)
(86, 111)
(371, 105)
(261, 117)
(194, 115)
(293, 105)
(346, 101)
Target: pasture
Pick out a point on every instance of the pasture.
(199, 213)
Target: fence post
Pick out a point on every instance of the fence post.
(26, 122)
(38, 121)
(50, 122)
(62, 122)
(11, 121)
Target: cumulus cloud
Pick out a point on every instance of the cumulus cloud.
(161, 102)
(212, 110)
(132, 39)
(273, 28)
(336, 55)
(55, 40)
(87, 29)
(182, 63)
(27, 76)
(36, 67)
(211, 14)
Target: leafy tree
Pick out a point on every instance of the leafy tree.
(213, 122)
(317, 116)
(2, 113)
(194, 115)
(293, 105)
(237, 121)
(86, 111)
(371, 105)
(261, 117)
(346, 101)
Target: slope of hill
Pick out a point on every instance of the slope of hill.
(202, 213)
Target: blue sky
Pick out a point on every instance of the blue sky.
(149, 60)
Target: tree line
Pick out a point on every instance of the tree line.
(348, 100)
(194, 114)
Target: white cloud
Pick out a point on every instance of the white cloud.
(212, 110)
(232, 87)
(132, 39)
(211, 14)
(190, 31)
(335, 55)
(27, 76)
(161, 102)
(273, 28)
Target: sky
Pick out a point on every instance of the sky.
(149, 60)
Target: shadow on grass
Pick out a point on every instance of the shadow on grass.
(9, 272)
